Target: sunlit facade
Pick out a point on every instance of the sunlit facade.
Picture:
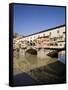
(51, 38)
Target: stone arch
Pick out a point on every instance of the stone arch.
(31, 51)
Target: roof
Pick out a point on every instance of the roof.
(46, 30)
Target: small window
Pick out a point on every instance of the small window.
(58, 31)
(56, 44)
(30, 37)
(60, 44)
(38, 35)
(19, 45)
(50, 33)
(55, 39)
(43, 34)
(34, 36)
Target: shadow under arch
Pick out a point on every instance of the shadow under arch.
(31, 56)
(31, 51)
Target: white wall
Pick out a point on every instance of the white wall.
(53, 33)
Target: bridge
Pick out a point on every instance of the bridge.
(40, 52)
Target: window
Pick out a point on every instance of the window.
(43, 34)
(34, 36)
(50, 33)
(56, 44)
(30, 37)
(58, 31)
(55, 39)
(19, 45)
(60, 44)
(38, 35)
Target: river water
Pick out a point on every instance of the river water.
(32, 61)
(61, 59)
(45, 70)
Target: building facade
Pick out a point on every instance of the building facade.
(50, 38)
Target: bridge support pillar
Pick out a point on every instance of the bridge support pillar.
(22, 52)
(42, 53)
